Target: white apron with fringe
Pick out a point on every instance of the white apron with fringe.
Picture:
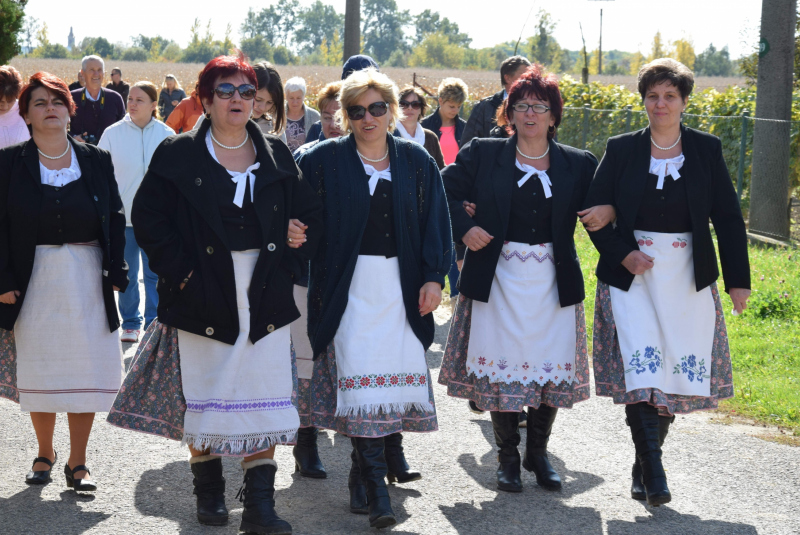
(523, 334)
(238, 395)
(304, 355)
(380, 362)
(665, 326)
(68, 360)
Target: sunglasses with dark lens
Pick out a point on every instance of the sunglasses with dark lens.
(416, 104)
(226, 91)
(376, 109)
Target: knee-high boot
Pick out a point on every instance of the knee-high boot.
(358, 492)
(306, 454)
(540, 424)
(209, 488)
(372, 463)
(396, 460)
(258, 495)
(637, 484)
(646, 432)
(506, 435)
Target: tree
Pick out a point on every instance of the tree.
(543, 46)
(429, 22)
(29, 30)
(12, 14)
(153, 45)
(636, 63)
(748, 65)
(287, 16)
(134, 53)
(713, 62)
(316, 24)
(99, 46)
(437, 51)
(352, 29)
(201, 49)
(683, 51)
(383, 28)
(256, 48)
(264, 23)
(659, 49)
(283, 56)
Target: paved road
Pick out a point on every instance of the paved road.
(723, 480)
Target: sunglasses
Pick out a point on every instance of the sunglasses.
(226, 91)
(376, 109)
(416, 104)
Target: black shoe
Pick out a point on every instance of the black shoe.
(474, 408)
(358, 492)
(540, 424)
(372, 463)
(258, 495)
(646, 432)
(506, 435)
(306, 455)
(41, 477)
(523, 418)
(637, 483)
(398, 469)
(80, 485)
(209, 488)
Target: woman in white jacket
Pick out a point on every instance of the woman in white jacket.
(131, 143)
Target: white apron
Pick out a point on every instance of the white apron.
(304, 354)
(380, 362)
(238, 395)
(523, 334)
(665, 326)
(67, 358)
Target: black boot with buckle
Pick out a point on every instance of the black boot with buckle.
(358, 492)
(540, 424)
(637, 484)
(306, 454)
(209, 488)
(372, 463)
(506, 435)
(646, 430)
(258, 496)
(396, 461)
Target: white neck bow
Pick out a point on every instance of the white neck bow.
(529, 171)
(240, 179)
(669, 166)
(375, 175)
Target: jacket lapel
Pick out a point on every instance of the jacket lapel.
(696, 178)
(503, 179)
(563, 179)
(30, 155)
(634, 178)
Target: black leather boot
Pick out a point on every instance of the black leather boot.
(306, 454)
(396, 461)
(209, 487)
(540, 424)
(372, 463)
(637, 484)
(358, 492)
(506, 436)
(646, 432)
(258, 495)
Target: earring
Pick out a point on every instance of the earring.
(551, 129)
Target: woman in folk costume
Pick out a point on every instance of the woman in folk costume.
(660, 343)
(518, 336)
(62, 243)
(374, 282)
(216, 369)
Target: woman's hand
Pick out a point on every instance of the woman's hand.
(469, 207)
(297, 234)
(637, 262)
(189, 276)
(10, 298)
(430, 295)
(739, 296)
(597, 217)
(476, 238)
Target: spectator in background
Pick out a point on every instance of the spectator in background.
(186, 113)
(119, 85)
(413, 105)
(131, 143)
(482, 119)
(13, 129)
(171, 95)
(79, 83)
(97, 108)
(445, 121)
(268, 108)
(299, 116)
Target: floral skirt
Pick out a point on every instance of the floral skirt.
(500, 396)
(151, 398)
(609, 366)
(317, 407)
(8, 366)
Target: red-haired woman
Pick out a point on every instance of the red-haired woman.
(216, 368)
(62, 243)
(518, 336)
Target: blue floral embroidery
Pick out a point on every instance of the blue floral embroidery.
(651, 360)
(690, 367)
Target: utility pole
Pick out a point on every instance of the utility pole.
(769, 188)
(600, 49)
(352, 29)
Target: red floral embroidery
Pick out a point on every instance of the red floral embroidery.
(357, 382)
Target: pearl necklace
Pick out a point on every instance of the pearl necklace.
(56, 157)
(534, 157)
(374, 161)
(653, 141)
(239, 146)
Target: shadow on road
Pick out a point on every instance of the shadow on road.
(19, 517)
(666, 520)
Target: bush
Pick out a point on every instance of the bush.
(283, 56)
(134, 54)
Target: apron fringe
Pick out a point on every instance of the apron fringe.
(238, 443)
(352, 411)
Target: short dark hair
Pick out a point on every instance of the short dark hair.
(53, 84)
(542, 86)
(407, 90)
(663, 70)
(510, 66)
(222, 67)
(116, 70)
(268, 78)
(10, 82)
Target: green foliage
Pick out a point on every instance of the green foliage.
(429, 22)
(437, 51)
(283, 56)
(382, 26)
(100, 47)
(773, 304)
(713, 62)
(134, 53)
(544, 48)
(12, 14)
(316, 24)
(256, 48)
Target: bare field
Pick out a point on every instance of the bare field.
(481, 83)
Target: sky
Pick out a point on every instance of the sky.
(628, 25)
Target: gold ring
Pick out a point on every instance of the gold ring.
(289, 240)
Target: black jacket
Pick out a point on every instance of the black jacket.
(620, 181)
(433, 122)
(177, 222)
(20, 201)
(483, 173)
(482, 118)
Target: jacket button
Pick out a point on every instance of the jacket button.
(198, 181)
(271, 247)
(95, 198)
(276, 208)
(270, 328)
(164, 280)
(210, 250)
(209, 331)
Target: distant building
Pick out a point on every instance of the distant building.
(70, 40)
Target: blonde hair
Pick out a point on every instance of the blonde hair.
(358, 83)
(171, 77)
(327, 94)
(151, 91)
(453, 89)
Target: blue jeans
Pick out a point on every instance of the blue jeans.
(129, 300)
